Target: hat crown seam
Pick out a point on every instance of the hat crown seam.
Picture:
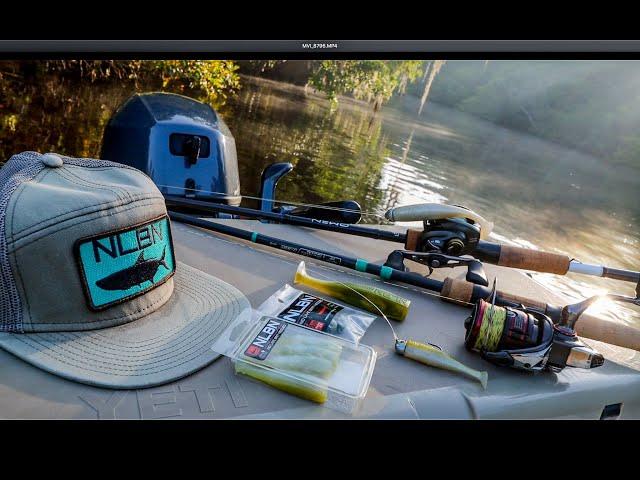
(86, 210)
(25, 241)
(120, 193)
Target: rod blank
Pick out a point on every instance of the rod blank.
(502, 255)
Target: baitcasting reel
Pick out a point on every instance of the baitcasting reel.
(449, 229)
(453, 236)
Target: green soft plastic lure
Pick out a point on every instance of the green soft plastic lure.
(393, 306)
(362, 296)
(307, 390)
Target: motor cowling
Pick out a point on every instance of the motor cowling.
(181, 143)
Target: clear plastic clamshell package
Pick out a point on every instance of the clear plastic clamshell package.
(299, 360)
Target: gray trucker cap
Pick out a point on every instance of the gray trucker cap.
(89, 285)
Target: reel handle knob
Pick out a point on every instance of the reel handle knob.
(454, 247)
(475, 273)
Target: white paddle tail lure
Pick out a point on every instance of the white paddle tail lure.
(437, 211)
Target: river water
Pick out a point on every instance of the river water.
(538, 194)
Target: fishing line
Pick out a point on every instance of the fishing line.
(522, 338)
(426, 353)
(286, 202)
(491, 329)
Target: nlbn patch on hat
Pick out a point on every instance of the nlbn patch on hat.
(90, 288)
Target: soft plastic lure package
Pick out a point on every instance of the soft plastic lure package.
(305, 362)
(317, 313)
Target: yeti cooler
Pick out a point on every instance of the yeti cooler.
(182, 144)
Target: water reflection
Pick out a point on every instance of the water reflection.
(538, 194)
(337, 154)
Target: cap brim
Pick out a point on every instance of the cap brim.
(166, 345)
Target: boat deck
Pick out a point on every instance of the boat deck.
(400, 388)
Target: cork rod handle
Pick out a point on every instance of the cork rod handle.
(527, 259)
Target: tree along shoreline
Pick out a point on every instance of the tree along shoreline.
(589, 106)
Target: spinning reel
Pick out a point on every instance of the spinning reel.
(514, 336)
(526, 339)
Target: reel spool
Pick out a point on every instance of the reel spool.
(525, 339)
(453, 236)
(449, 229)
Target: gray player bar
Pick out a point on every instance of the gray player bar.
(311, 46)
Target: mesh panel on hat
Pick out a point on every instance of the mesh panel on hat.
(22, 168)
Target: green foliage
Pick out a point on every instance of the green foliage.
(64, 105)
(258, 67)
(371, 80)
(92, 70)
(211, 80)
(214, 78)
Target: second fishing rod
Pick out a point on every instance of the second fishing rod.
(447, 230)
(451, 289)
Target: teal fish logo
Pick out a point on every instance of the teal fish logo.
(123, 264)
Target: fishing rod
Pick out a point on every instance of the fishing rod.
(447, 230)
(333, 225)
(452, 290)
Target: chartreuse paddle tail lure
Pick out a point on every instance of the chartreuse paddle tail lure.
(435, 357)
(366, 297)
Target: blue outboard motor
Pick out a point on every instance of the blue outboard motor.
(182, 144)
